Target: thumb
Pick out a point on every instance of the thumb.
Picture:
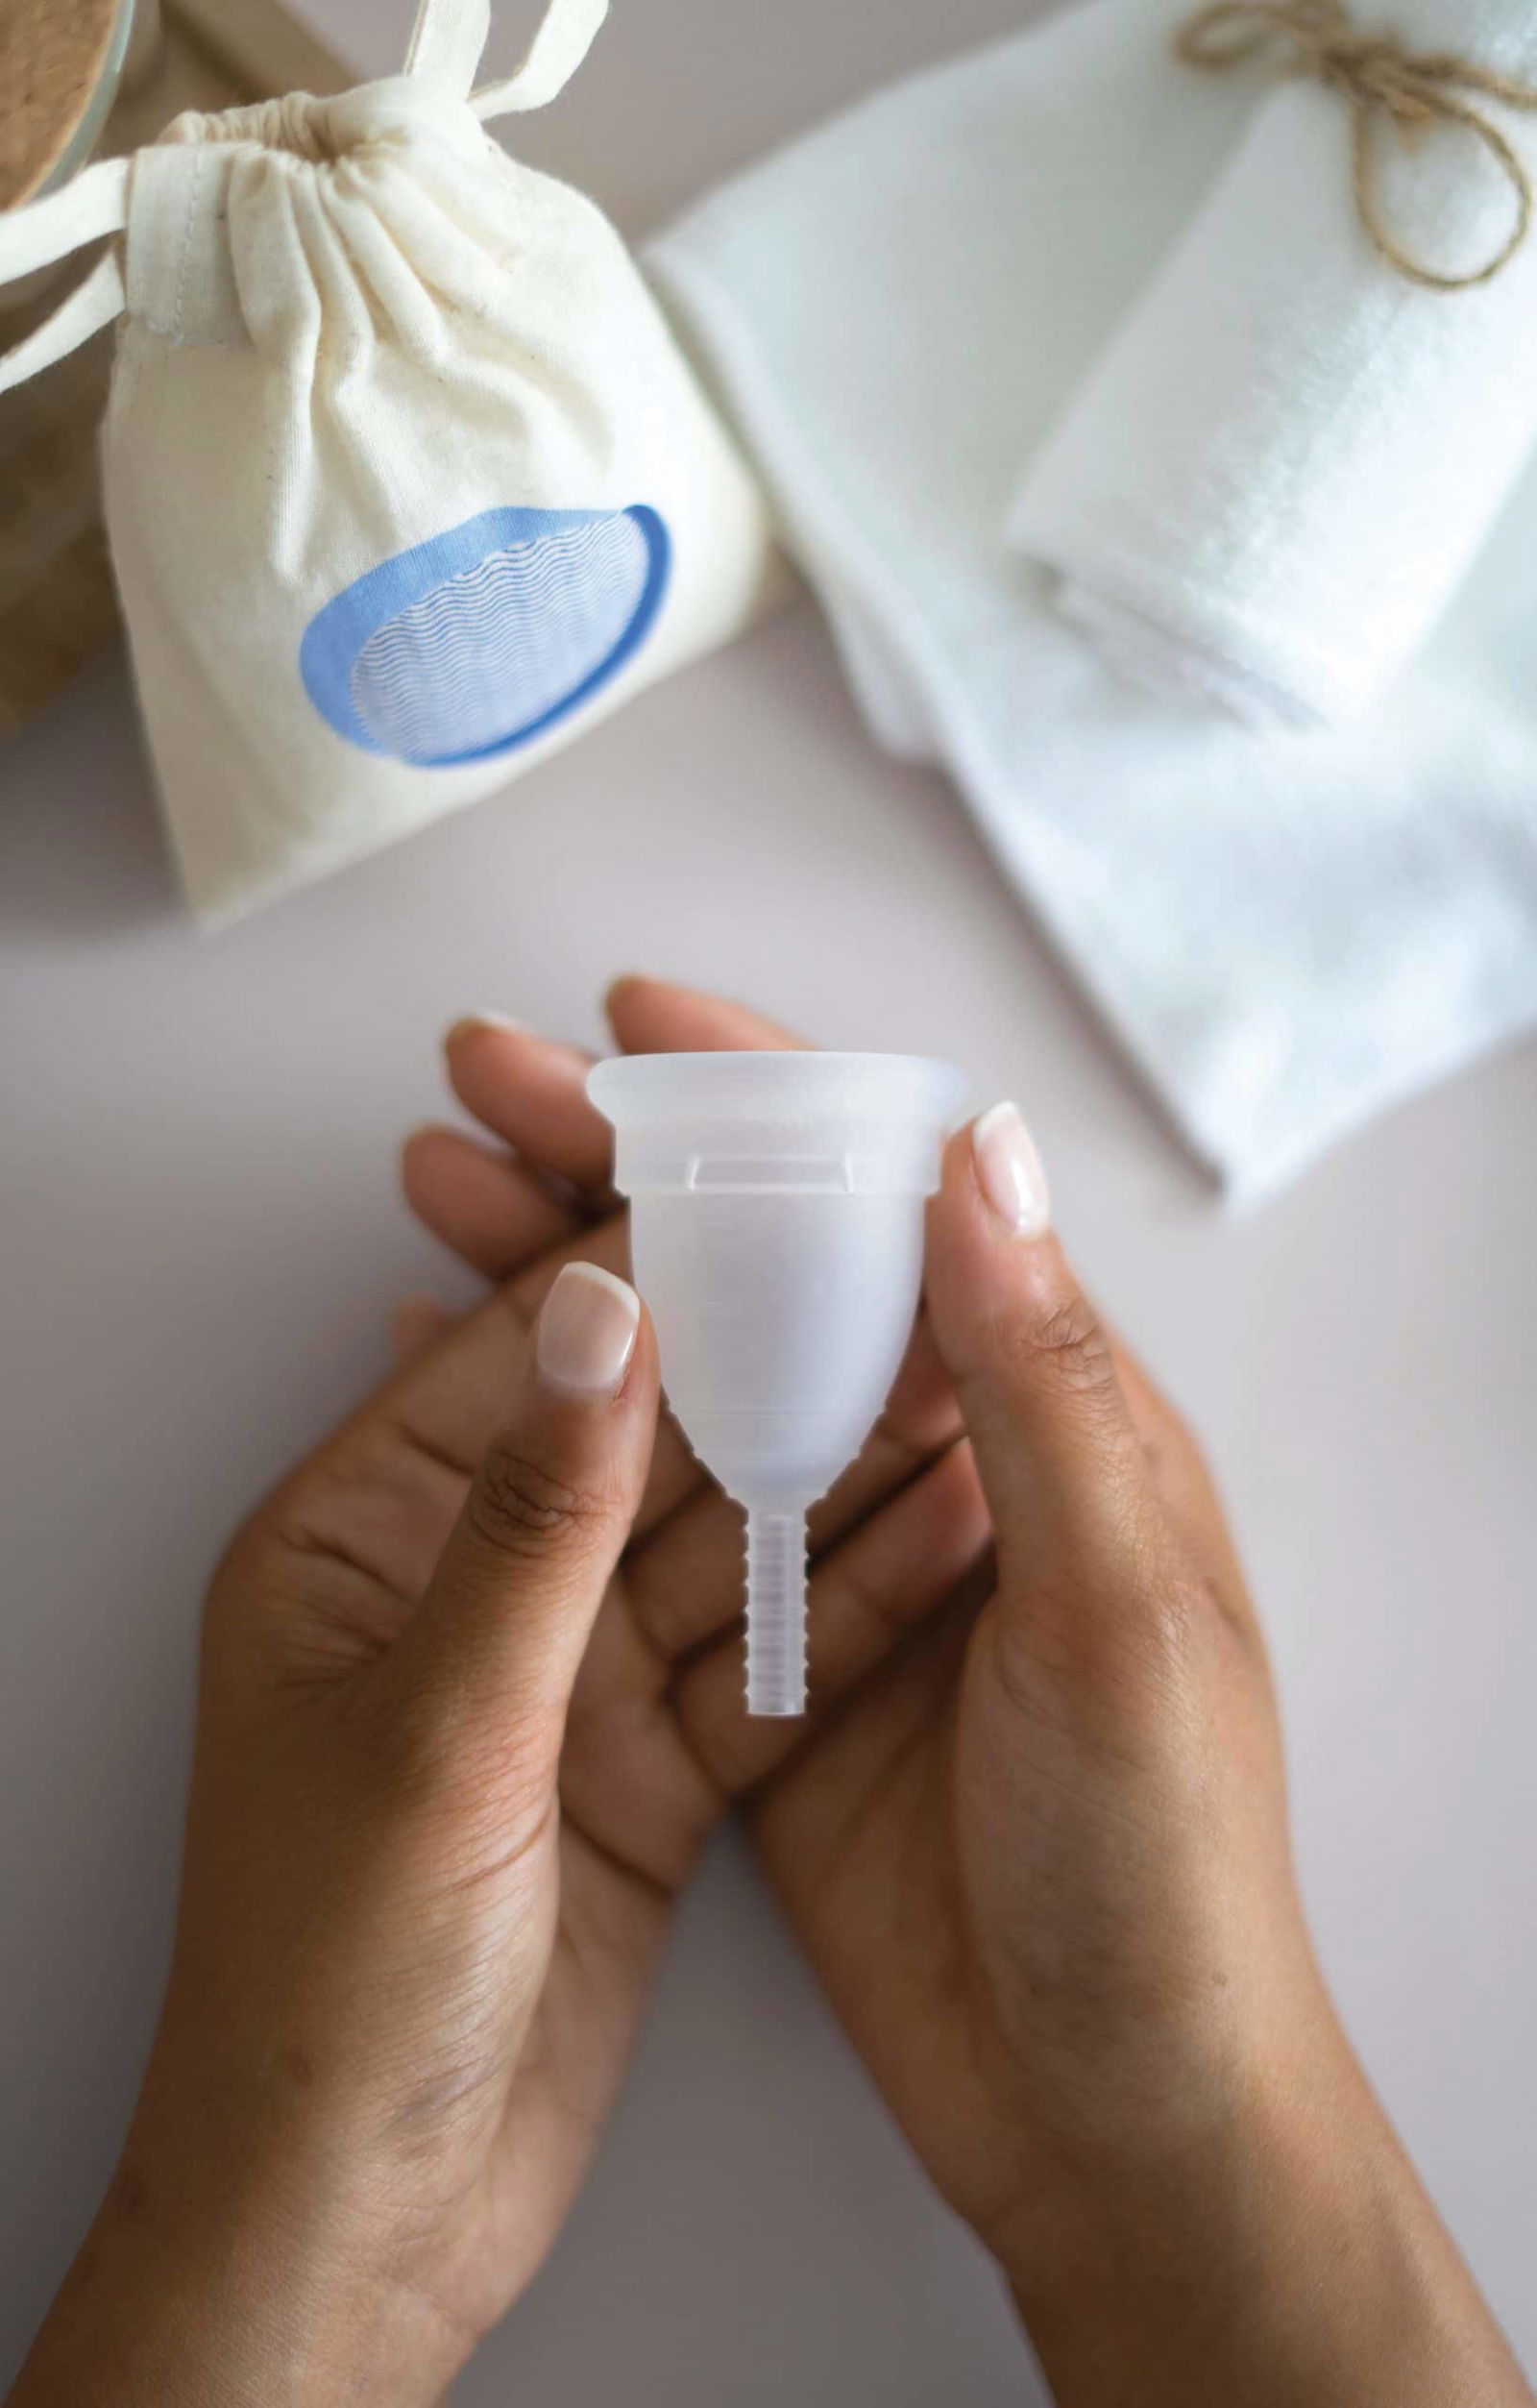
(1062, 1468)
(504, 1625)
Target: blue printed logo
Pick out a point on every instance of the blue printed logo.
(480, 639)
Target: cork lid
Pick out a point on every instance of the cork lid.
(55, 57)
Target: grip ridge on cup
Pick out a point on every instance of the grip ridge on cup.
(777, 1612)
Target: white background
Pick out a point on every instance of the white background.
(202, 1240)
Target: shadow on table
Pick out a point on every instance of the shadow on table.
(81, 848)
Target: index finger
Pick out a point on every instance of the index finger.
(654, 1016)
(531, 1091)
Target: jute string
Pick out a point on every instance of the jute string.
(1378, 78)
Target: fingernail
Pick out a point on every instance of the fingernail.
(482, 1019)
(587, 1332)
(1009, 1171)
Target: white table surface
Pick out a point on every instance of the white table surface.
(202, 1239)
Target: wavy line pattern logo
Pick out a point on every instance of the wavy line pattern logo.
(480, 639)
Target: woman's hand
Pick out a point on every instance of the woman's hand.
(355, 2137)
(405, 1990)
(1045, 1871)
(1040, 1855)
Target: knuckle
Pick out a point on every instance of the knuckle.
(1069, 1345)
(1176, 1615)
(308, 1587)
(260, 1572)
(1168, 1604)
(454, 1770)
(1117, 1669)
(524, 1509)
(1175, 1457)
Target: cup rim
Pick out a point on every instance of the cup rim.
(657, 1090)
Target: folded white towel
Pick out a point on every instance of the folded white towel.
(1286, 934)
(1287, 459)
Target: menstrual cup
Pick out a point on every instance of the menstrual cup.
(776, 1225)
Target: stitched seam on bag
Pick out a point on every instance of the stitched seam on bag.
(179, 297)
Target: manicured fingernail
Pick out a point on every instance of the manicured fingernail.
(587, 1332)
(1009, 1171)
(473, 1021)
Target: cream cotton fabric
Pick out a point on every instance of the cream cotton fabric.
(1285, 933)
(406, 480)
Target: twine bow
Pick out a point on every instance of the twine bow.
(1378, 76)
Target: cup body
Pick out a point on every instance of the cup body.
(776, 1210)
(781, 1321)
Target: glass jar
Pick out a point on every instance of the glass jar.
(68, 68)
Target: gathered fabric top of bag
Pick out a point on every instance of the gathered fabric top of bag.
(405, 478)
(355, 139)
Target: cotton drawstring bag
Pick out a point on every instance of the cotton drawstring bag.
(404, 476)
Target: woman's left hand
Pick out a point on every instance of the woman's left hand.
(400, 1988)
(407, 1982)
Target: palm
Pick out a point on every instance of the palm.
(610, 1928)
(375, 1509)
(863, 1841)
(855, 1834)
(848, 1810)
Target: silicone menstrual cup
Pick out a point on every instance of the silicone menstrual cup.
(776, 1225)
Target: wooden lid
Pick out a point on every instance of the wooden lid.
(52, 54)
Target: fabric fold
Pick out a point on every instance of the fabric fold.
(1285, 934)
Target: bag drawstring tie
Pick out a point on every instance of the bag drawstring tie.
(445, 53)
(1380, 80)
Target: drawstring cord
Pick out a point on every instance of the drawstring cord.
(445, 51)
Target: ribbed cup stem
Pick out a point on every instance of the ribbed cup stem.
(777, 1612)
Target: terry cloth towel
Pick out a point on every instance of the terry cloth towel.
(1281, 468)
(1287, 933)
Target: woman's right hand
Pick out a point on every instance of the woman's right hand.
(1039, 1852)
(1045, 1871)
